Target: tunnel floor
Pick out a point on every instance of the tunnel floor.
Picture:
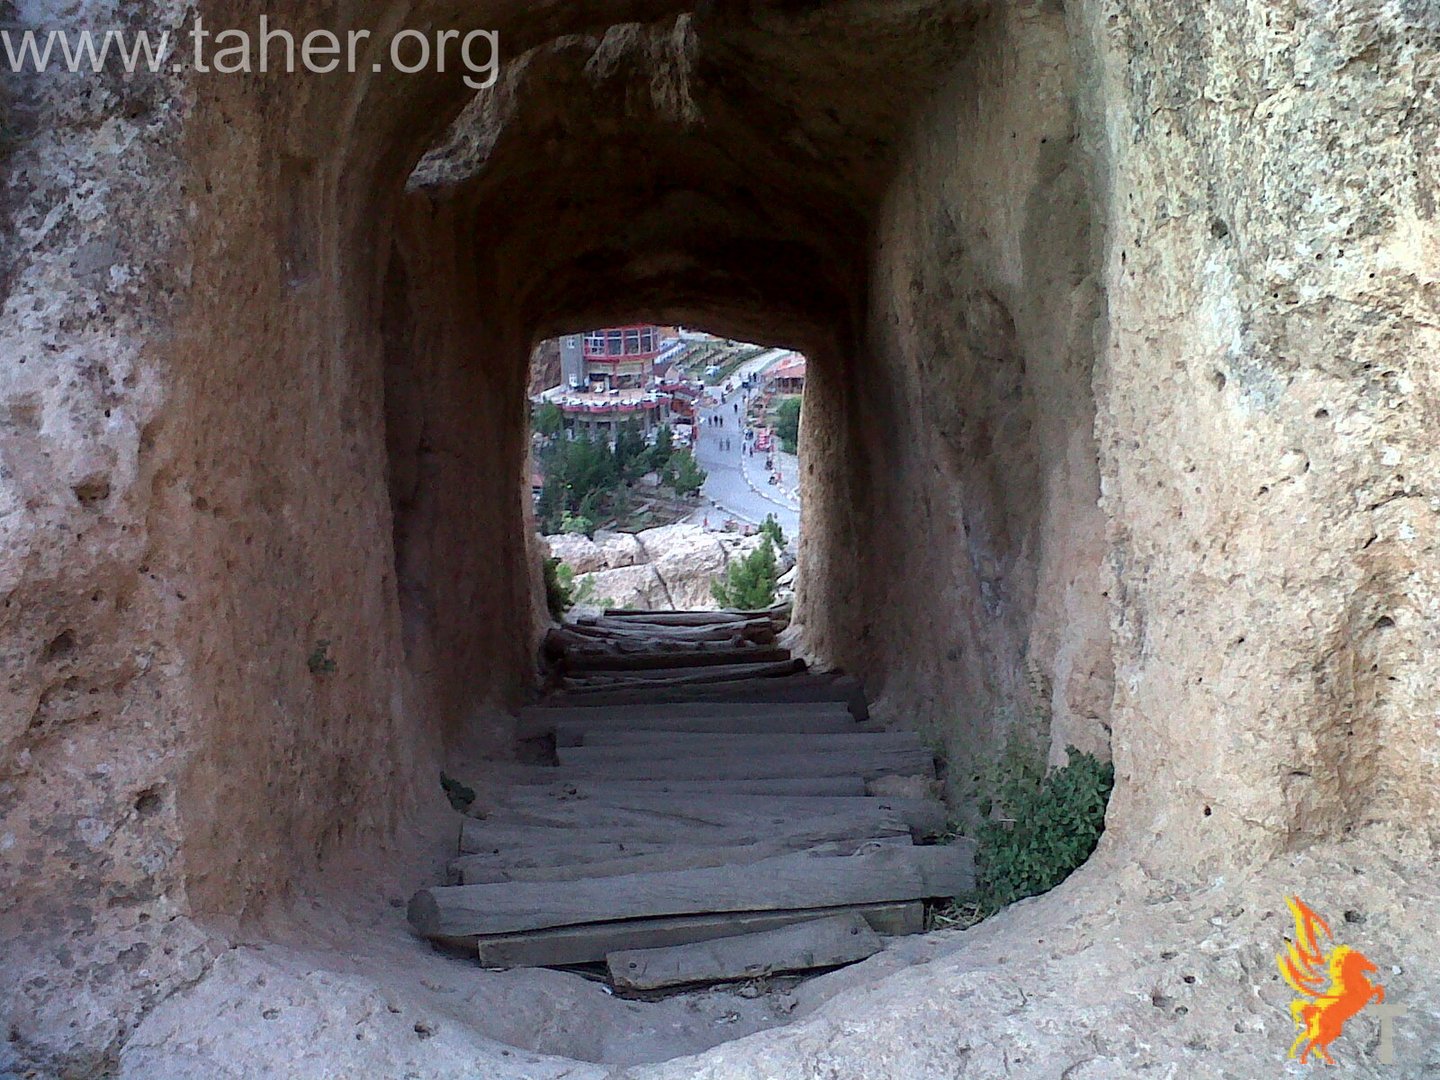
(703, 810)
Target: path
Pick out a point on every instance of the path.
(737, 485)
(710, 812)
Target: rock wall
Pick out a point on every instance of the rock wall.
(669, 567)
(954, 447)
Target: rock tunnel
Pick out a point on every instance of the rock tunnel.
(1121, 321)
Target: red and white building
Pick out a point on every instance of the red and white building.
(610, 376)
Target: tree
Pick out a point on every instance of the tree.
(664, 447)
(548, 420)
(581, 480)
(787, 424)
(685, 476)
(750, 583)
(772, 529)
(632, 458)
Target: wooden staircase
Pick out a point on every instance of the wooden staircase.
(714, 811)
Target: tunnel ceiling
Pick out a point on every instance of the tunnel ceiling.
(719, 166)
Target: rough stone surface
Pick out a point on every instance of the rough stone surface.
(1120, 430)
(669, 567)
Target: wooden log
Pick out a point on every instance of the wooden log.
(629, 744)
(590, 763)
(666, 677)
(486, 870)
(796, 688)
(591, 943)
(822, 943)
(479, 837)
(684, 618)
(674, 662)
(887, 875)
(562, 642)
(621, 630)
(596, 807)
(581, 733)
(538, 721)
(807, 786)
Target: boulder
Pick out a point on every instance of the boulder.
(579, 553)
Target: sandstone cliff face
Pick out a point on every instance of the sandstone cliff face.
(1122, 424)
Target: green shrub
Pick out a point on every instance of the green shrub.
(559, 596)
(787, 424)
(749, 583)
(1041, 827)
(548, 420)
(663, 449)
(772, 529)
(684, 475)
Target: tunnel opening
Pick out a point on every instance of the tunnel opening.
(662, 459)
(1046, 417)
(942, 284)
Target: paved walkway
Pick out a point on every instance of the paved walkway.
(737, 486)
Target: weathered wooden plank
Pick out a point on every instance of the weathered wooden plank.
(796, 688)
(580, 733)
(538, 722)
(484, 870)
(674, 661)
(829, 942)
(589, 944)
(683, 618)
(667, 677)
(591, 809)
(807, 786)
(588, 763)
(621, 743)
(784, 882)
(480, 837)
(622, 630)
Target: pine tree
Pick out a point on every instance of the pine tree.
(750, 583)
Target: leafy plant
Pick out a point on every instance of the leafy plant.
(684, 474)
(663, 450)
(549, 420)
(319, 661)
(787, 424)
(559, 595)
(772, 529)
(1041, 828)
(461, 797)
(632, 456)
(576, 524)
(749, 584)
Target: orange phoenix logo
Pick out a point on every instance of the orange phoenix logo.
(1334, 985)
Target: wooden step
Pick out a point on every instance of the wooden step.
(484, 870)
(589, 763)
(654, 664)
(684, 618)
(807, 786)
(802, 831)
(592, 809)
(722, 718)
(592, 943)
(784, 882)
(671, 677)
(628, 745)
(821, 943)
(796, 688)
